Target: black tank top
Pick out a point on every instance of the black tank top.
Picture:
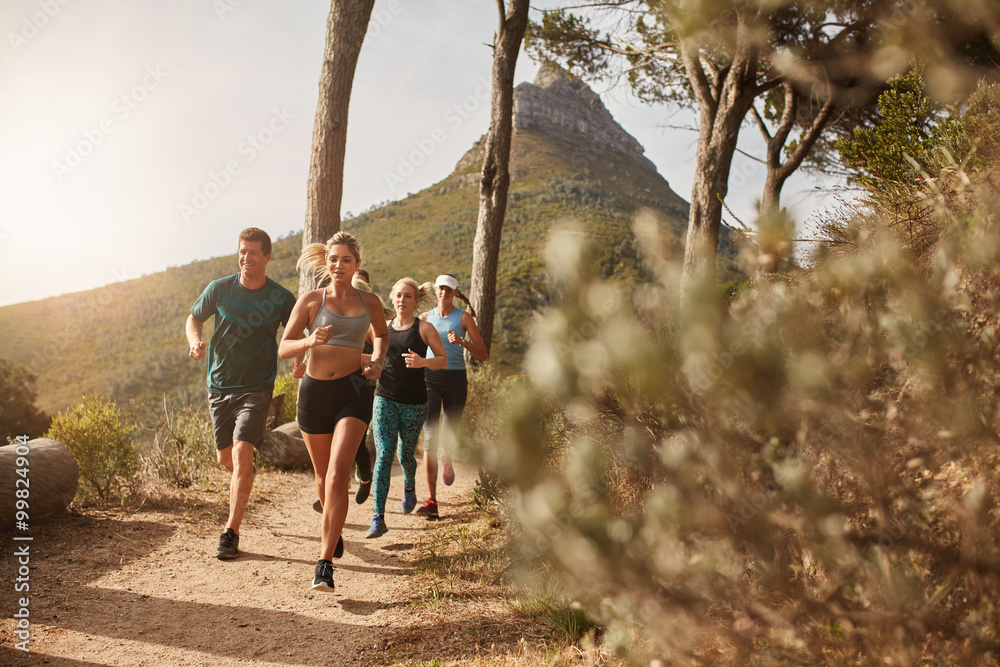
(399, 383)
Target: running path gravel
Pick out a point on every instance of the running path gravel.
(145, 588)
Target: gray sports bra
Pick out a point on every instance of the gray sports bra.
(349, 330)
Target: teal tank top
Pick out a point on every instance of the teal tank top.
(454, 351)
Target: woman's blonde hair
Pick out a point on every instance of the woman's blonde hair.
(359, 284)
(314, 255)
(424, 293)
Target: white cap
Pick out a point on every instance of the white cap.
(447, 281)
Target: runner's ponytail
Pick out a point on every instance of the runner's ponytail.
(468, 304)
(313, 259)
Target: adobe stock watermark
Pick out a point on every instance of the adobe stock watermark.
(121, 108)
(74, 327)
(741, 176)
(224, 7)
(541, 537)
(453, 118)
(710, 369)
(915, 339)
(381, 18)
(22, 551)
(751, 505)
(247, 150)
(891, 535)
(31, 26)
(262, 310)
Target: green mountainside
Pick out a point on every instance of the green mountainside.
(572, 168)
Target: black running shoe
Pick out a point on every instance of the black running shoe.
(229, 543)
(364, 488)
(323, 581)
(338, 551)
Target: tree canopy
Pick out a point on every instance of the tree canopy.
(724, 58)
(909, 131)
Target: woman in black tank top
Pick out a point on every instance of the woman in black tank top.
(401, 397)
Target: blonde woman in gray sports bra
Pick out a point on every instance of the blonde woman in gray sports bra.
(335, 397)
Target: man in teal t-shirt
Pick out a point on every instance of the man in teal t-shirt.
(242, 364)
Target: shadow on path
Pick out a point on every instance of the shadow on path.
(11, 656)
(101, 543)
(232, 632)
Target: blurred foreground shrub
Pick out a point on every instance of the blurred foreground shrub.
(808, 475)
(101, 442)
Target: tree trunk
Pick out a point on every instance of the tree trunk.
(777, 171)
(723, 103)
(345, 32)
(770, 199)
(495, 179)
(50, 481)
(773, 229)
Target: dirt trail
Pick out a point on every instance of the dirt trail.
(145, 588)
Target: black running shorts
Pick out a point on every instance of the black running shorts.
(323, 403)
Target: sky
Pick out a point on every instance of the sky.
(142, 134)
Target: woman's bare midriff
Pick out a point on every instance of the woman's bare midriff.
(330, 362)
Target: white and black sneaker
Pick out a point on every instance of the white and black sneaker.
(323, 581)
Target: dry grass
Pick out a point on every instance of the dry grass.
(467, 615)
(205, 501)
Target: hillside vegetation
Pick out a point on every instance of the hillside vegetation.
(126, 340)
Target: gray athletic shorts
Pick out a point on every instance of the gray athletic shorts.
(240, 416)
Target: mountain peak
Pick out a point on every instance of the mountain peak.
(551, 75)
(558, 103)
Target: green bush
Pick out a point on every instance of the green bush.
(908, 138)
(289, 386)
(101, 442)
(492, 397)
(178, 443)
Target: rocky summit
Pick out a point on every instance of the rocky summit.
(558, 104)
(563, 129)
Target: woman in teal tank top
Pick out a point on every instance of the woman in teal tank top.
(447, 388)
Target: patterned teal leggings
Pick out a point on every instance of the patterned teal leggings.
(395, 423)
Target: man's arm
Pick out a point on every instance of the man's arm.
(193, 328)
(299, 362)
